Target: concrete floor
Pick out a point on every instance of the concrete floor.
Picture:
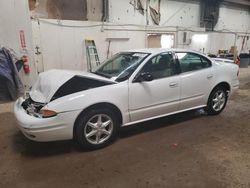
(185, 150)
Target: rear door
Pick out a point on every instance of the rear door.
(196, 79)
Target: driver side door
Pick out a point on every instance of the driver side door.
(158, 97)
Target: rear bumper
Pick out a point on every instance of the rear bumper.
(55, 128)
(234, 86)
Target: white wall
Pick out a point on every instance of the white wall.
(235, 19)
(181, 14)
(94, 10)
(186, 17)
(62, 45)
(173, 13)
(14, 16)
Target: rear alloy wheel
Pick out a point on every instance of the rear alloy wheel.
(96, 128)
(217, 101)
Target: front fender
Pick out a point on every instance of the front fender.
(116, 94)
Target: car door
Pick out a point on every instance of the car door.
(158, 96)
(196, 79)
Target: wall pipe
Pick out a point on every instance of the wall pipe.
(194, 31)
(135, 25)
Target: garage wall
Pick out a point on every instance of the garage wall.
(181, 14)
(62, 46)
(14, 16)
(58, 40)
(61, 43)
(233, 18)
(185, 15)
(175, 13)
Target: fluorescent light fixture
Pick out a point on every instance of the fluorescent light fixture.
(200, 38)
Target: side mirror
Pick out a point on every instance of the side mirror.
(144, 77)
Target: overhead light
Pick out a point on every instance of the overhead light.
(200, 38)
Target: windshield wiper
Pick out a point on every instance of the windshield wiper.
(101, 74)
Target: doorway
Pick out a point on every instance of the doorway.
(157, 40)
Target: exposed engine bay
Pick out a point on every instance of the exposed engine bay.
(32, 108)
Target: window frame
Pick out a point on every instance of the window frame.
(168, 52)
(199, 55)
(123, 52)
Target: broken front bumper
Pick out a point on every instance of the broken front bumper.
(59, 127)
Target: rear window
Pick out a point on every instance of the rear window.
(191, 61)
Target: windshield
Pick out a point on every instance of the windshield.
(121, 66)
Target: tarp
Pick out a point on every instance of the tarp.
(10, 83)
(154, 8)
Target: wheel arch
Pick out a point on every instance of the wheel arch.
(208, 107)
(101, 105)
(223, 84)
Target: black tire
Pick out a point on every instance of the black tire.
(81, 128)
(210, 108)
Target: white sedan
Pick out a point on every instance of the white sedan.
(131, 87)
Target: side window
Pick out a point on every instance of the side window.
(160, 66)
(191, 61)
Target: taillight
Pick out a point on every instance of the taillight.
(47, 113)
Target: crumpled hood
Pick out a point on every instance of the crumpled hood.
(50, 81)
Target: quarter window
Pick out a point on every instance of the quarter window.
(160, 66)
(191, 61)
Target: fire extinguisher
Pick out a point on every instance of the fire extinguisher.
(26, 66)
(24, 51)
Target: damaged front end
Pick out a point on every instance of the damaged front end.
(54, 84)
(32, 108)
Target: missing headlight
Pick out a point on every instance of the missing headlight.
(32, 108)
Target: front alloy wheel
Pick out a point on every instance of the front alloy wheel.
(96, 128)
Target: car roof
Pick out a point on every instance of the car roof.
(160, 50)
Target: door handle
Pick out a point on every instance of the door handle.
(173, 84)
(209, 76)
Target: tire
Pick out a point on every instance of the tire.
(217, 101)
(96, 128)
